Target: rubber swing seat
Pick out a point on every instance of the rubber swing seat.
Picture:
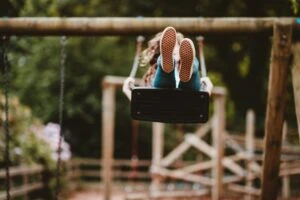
(169, 105)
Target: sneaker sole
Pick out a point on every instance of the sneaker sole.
(187, 56)
(167, 45)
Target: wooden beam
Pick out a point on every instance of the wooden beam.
(280, 57)
(250, 132)
(108, 118)
(293, 150)
(228, 162)
(218, 129)
(286, 190)
(296, 81)
(157, 152)
(184, 176)
(86, 26)
(244, 189)
(175, 153)
(181, 194)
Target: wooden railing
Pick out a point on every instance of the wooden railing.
(26, 186)
(123, 170)
(26, 179)
(82, 172)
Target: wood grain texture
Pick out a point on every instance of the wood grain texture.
(85, 26)
(296, 81)
(280, 56)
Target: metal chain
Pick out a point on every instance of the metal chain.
(63, 56)
(6, 121)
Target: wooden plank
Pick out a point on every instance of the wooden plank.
(218, 129)
(244, 189)
(15, 192)
(290, 165)
(296, 81)
(108, 118)
(204, 128)
(184, 176)
(86, 26)
(157, 152)
(285, 179)
(25, 185)
(175, 153)
(116, 162)
(123, 163)
(179, 194)
(250, 132)
(209, 164)
(184, 146)
(290, 172)
(116, 174)
(280, 57)
(20, 170)
(200, 145)
(231, 179)
(183, 194)
(259, 144)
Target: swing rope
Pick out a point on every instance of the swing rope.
(63, 56)
(6, 120)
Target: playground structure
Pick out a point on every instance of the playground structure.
(281, 52)
(243, 167)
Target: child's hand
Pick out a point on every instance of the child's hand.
(127, 87)
(206, 85)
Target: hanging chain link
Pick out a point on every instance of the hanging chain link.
(63, 56)
(6, 108)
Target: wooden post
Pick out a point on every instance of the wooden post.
(281, 51)
(250, 132)
(108, 115)
(218, 129)
(286, 178)
(157, 152)
(296, 82)
(25, 185)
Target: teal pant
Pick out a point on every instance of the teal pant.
(167, 80)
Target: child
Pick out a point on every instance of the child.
(173, 64)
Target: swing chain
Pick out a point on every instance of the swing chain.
(63, 56)
(6, 108)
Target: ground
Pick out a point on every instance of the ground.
(92, 194)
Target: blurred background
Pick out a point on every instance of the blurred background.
(239, 63)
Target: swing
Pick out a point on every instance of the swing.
(170, 105)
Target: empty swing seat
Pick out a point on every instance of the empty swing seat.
(169, 105)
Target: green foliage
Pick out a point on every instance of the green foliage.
(295, 6)
(25, 146)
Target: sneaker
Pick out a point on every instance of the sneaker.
(187, 56)
(167, 45)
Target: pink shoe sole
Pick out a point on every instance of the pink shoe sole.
(167, 45)
(187, 56)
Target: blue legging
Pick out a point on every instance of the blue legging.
(167, 80)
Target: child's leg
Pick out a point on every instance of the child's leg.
(164, 75)
(194, 82)
(163, 79)
(188, 74)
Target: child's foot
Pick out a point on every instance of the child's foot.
(187, 56)
(167, 44)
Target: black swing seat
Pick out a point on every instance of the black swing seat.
(169, 105)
